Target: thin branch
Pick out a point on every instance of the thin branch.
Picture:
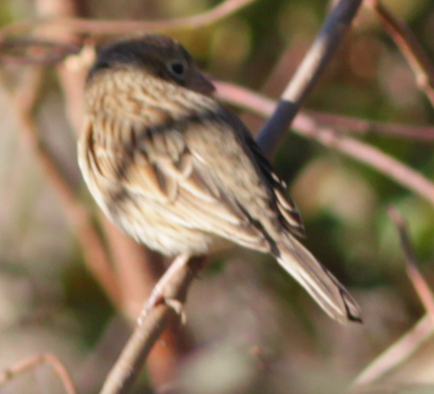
(173, 286)
(234, 94)
(33, 362)
(312, 67)
(360, 151)
(94, 251)
(350, 125)
(404, 38)
(419, 283)
(81, 25)
(31, 50)
(373, 157)
(398, 353)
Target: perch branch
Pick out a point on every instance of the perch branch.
(149, 328)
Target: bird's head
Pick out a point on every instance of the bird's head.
(160, 56)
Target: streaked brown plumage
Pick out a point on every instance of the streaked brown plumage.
(180, 173)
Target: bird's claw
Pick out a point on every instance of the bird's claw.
(155, 300)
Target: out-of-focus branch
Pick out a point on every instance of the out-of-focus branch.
(308, 73)
(234, 94)
(418, 60)
(22, 103)
(419, 283)
(360, 151)
(32, 50)
(360, 126)
(33, 362)
(136, 269)
(407, 345)
(80, 25)
(398, 353)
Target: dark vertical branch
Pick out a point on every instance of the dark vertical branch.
(308, 73)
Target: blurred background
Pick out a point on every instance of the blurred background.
(250, 327)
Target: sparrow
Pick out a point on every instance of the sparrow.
(182, 174)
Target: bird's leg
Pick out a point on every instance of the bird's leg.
(158, 292)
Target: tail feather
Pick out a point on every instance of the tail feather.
(318, 281)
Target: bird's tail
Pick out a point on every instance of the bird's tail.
(318, 281)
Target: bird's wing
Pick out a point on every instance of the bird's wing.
(290, 218)
(183, 169)
(202, 175)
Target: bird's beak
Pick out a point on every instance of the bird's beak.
(199, 83)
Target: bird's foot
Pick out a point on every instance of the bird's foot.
(158, 295)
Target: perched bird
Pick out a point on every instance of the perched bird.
(180, 173)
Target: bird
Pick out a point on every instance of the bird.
(181, 173)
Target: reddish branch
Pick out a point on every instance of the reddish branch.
(346, 124)
(22, 103)
(418, 60)
(308, 127)
(398, 353)
(33, 362)
(419, 282)
(81, 25)
(406, 346)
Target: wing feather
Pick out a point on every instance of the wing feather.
(201, 173)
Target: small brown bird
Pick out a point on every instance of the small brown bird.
(180, 173)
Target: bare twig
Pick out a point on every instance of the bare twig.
(31, 50)
(80, 25)
(148, 329)
(418, 60)
(373, 157)
(364, 126)
(234, 94)
(22, 105)
(308, 73)
(360, 151)
(398, 353)
(33, 362)
(419, 283)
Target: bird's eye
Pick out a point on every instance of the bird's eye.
(177, 69)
